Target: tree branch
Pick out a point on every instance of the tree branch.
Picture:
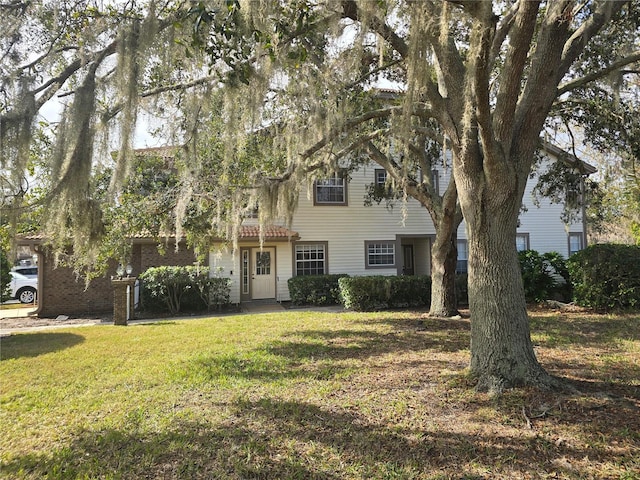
(483, 30)
(502, 30)
(350, 10)
(576, 43)
(409, 187)
(617, 65)
(349, 124)
(54, 84)
(515, 62)
(449, 60)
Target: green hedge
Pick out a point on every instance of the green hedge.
(315, 289)
(182, 289)
(5, 276)
(379, 292)
(606, 276)
(545, 276)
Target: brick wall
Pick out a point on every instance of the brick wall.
(60, 293)
(146, 255)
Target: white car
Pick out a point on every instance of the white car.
(24, 288)
(30, 271)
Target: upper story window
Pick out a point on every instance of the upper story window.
(253, 213)
(331, 191)
(435, 181)
(381, 177)
(522, 242)
(576, 242)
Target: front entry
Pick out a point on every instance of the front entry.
(263, 273)
(407, 260)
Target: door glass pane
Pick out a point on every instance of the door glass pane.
(408, 256)
(245, 271)
(263, 263)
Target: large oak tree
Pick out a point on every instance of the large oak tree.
(488, 74)
(481, 76)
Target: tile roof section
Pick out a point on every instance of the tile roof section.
(246, 232)
(253, 231)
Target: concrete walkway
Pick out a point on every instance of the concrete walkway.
(261, 307)
(17, 312)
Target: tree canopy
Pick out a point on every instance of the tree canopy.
(483, 79)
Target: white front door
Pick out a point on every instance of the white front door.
(263, 275)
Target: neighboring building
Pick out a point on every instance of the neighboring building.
(62, 292)
(333, 232)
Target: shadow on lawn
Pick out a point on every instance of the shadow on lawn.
(35, 344)
(318, 354)
(186, 450)
(585, 330)
(271, 438)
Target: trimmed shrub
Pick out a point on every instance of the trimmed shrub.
(182, 289)
(378, 292)
(545, 276)
(606, 276)
(315, 289)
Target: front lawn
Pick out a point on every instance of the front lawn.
(308, 395)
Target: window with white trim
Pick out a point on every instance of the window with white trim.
(331, 191)
(310, 259)
(522, 242)
(435, 180)
(381, 177)
(380, 254)
(576, 242)
(463, 256)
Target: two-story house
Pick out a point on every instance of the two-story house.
(334, 232)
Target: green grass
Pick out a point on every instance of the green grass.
(313, 395)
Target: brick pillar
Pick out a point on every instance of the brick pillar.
(120, 299)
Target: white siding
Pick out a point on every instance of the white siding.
(347, 228)
(543, 223)
(284, 260)
(223, 264)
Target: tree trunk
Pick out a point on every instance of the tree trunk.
(444, 255)
(502, 353)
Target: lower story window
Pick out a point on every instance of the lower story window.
(463, 256)
(575, 242)
(310, 259)
(522, 242)
(381, 254)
